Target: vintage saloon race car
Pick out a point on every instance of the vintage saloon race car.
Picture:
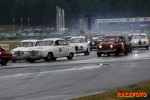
(113, 44)
(19, 53)
(81, 45)
(140, 40)
(50, 49)
(95, 40)
(4, 56)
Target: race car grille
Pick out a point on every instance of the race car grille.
(140, 42)
(105, 47)
(19, 53)
(76, 48)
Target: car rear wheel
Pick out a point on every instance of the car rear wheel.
(4, 62)
(98, 54)
(147, 48)
(54, 59)
(31, 60)
(14, 60)
(49, 57)
(86, 52)
(126, 52)
(70, 56)
(108, 54)
(90, 49)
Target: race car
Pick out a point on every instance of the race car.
(81, 45)
(50, 49)
(140, 40)
(19, 53)
(112, 44)
(95, 40)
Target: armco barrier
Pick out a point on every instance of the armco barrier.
(5, 46)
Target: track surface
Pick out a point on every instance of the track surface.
(65, 79)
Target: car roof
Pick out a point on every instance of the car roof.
(68, 36)
(115, 36)
(139, 33)
(30, 40)
(78, 37)
(54, 39)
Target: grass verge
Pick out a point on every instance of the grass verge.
(112, 95)
(12, 44)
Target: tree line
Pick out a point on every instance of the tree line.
(43, 12)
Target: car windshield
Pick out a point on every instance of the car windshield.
(46, 43)
(110, 39)
(77, 40)
(139, 36)
(67, 38)
(97, 38)
(26, 44)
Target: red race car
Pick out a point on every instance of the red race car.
(112, 44)
(4, 56)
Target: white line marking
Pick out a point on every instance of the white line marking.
(46, 72)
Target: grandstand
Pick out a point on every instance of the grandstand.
(123, 24)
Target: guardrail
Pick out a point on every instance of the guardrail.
(5, 46)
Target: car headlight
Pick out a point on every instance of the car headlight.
(25, 52)
(100, 46)
(111, 46)
(39, 52)
(12, 52)
(88, 41)
(92, 42)
(28, 52)
(135, 41)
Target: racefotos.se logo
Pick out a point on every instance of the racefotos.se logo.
(131, 94)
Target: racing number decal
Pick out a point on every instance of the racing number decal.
(122, 45)
(60, 50)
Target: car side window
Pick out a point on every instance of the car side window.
(57, 43)
(63, 42)
(37, 43)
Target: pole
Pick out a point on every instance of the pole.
(21, 22)
(28, 22)
(13, 25)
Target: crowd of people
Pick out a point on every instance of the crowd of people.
(124, 26)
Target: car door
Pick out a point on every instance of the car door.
(58, 49)
(64, 47)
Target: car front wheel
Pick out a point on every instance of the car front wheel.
(49, 57)
(4, 62)
(70, 56)
(98, 54)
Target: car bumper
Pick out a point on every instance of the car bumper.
(80, 51)
(19, 57)
(93, 47)
(140, 46)
(106, 51)
(35, 57)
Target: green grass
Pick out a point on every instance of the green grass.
(143, 87)
(12, 44)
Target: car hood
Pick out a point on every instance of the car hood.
(77, 44)
(107, 43)
(40, 48)
(21, 49)
(140, 39)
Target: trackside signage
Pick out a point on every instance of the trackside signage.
(5, 46)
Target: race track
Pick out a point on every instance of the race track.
(63, 79)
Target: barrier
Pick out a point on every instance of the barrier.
(5, 46)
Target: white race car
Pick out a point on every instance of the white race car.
(19, 53)
(140, 40)
(81, 44)
(50, 49)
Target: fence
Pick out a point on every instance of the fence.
(11, 36)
